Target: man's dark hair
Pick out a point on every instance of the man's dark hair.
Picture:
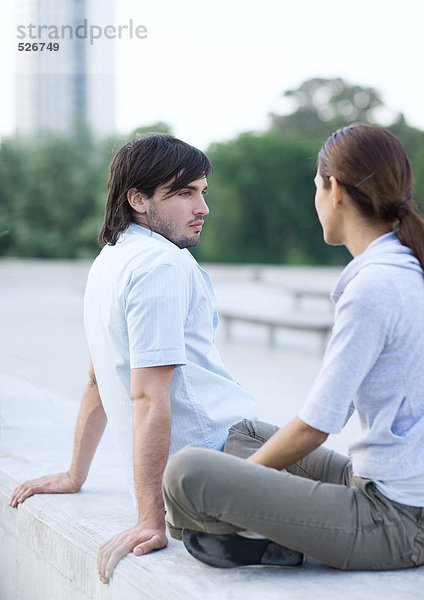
(146, 164)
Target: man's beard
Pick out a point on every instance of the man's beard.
(168, 229)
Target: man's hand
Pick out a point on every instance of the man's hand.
(142, 539)
(91, 423)
(151, 432)
(59, 483)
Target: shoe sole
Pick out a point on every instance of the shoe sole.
(229, 551)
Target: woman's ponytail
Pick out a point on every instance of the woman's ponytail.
(411, 230)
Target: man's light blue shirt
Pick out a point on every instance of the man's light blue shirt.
(148, 303)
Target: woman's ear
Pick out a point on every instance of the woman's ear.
(336, 189)
(137, 200)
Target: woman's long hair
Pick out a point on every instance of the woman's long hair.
(372, 165)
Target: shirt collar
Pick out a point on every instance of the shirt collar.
(139, 229)
(385, 250)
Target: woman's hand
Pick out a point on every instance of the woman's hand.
(288, 445)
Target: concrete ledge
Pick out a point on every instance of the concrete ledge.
(44, 556)
(49, 544)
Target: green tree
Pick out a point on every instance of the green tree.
(324, 105)
(262, 202)
(418, 165)
(53, 190)
(13, 184)
(411, 138)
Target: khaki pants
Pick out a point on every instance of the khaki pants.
(316, 506)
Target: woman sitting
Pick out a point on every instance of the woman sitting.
(297, 497)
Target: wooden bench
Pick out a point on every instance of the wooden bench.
(319, 325)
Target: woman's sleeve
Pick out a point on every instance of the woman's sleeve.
(364, 324)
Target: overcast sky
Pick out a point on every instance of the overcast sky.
(214, 69)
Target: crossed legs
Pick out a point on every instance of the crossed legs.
(315, 507)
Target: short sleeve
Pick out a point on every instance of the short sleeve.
(363, 327)
(157, 304)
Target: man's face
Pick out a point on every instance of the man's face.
(179, 217)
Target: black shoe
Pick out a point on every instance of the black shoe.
(227, 551)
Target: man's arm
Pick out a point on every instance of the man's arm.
(152, 428)
(90, 425)
(288, 444)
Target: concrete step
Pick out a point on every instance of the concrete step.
(49, 544)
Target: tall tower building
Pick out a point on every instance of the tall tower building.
(72, 78)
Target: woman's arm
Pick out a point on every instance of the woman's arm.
(288, 445)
